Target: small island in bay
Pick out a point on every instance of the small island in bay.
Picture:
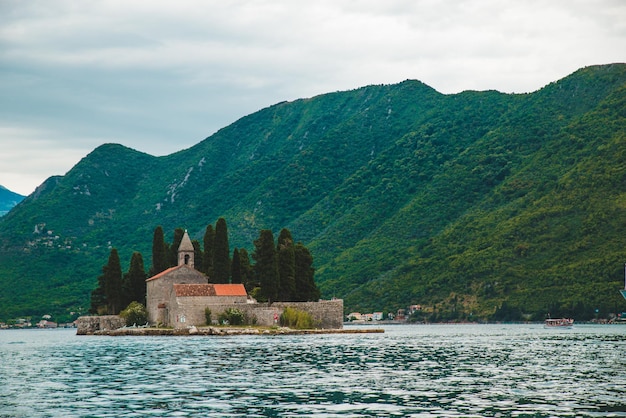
(181, 301)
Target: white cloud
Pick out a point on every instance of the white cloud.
(160, 75)
(27, 158)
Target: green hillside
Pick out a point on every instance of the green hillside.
(476, 205)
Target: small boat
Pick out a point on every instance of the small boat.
(559, 323)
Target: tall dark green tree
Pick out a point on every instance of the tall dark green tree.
(236, 268)
(306, 289)
(207, 255)
(266, 266)
(247, 275)
(221, 253)
(159, 252)
(197, 255)
(173, 252)
(98, 298)
(134, 282)
(286, 266)
(113, 283)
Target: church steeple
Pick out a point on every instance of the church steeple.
(185, 251)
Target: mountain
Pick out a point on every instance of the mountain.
(477, 205)
(8, 200)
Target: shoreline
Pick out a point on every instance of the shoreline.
(225, 331)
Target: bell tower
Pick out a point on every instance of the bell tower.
(185, 251)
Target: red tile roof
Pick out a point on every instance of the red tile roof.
(183, 290)
(230, 290)
(194, 289)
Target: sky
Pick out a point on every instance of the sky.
(160, 76)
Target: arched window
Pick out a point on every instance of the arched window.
(186, 258)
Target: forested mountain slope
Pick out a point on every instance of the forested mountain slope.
(479, 204)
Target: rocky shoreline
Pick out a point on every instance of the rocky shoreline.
(226, 331)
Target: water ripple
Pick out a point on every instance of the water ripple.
(415, 371)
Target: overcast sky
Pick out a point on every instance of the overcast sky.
(160, 76)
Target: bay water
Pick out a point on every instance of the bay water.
(516, 370)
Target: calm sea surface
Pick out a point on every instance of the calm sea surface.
(419, 371)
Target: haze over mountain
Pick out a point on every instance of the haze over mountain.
(478, 204)
(8, 199)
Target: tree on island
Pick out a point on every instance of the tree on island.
(173, 249)
(107, 297)
(207, 254)
(221, 253)
(115, 291)
(306, 289)
(266, 267)
(247, 273)
(134, 282)
(235, 270)
(197, 254)
(286, 266)
(159, 252)
(113, 283)
(98, 299)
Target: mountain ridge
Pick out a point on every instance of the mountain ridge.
(382, 183)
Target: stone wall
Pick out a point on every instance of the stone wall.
(328, 314)
(88, 325)
(190, 309)
(191, 313)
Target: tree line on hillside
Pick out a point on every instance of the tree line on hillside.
(283, 270)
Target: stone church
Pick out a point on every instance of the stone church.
(178, 296)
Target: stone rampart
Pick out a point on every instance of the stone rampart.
(327, 314)
(88, 325)
(191, 310)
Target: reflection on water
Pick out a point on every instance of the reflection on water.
(421, 371)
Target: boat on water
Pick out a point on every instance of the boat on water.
(559, 323)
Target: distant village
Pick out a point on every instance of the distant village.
(44, 323)
(401, 315)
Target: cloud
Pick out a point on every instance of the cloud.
(27, 159)
(159, 76)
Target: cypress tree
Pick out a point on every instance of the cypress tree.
(266, 267)
(98, 298)
(113, 283)
(236, 268)
(247, 275)
(284, 237)
(207, 255)
(173, 252)
(286, 266)
(159, 252)
(306, 289)
(197, 255)
(221, 253)
(135, 281)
